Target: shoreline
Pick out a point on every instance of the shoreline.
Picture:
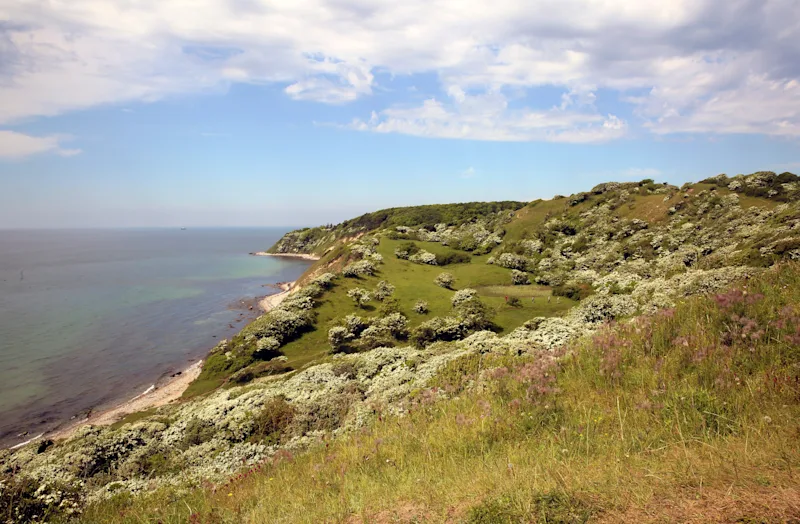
(270, 302)
(304, 256)
(156, 395)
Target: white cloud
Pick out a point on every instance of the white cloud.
(680, 66)
(15, 145)
(488, 117)
(468, 173)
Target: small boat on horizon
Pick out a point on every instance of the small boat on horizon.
(183, 229)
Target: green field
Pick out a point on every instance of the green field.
(416, 281)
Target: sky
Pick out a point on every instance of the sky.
(142, 113)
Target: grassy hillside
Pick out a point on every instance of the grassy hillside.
(690, 414)
(378, 366)
(320, 240)
(416, 281)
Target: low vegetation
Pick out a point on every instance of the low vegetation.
(687, 414)
(613, 355)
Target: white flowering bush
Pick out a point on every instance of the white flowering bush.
(396, 324)
(338, 336)
(358, 269)
(360, 296)
(512, 261)
(444, 280)
(383, 290)
(519, 278)
(325, 280)
(421, 307)
(280, 324)
(268, 344)
(462, 296)
(401, 253)
(423, 257)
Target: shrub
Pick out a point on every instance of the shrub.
(389, 306)
(267, 346)
(360, 268)
(444, 280)
(423, 257)
(23, 499)
(511, 261)
(383, 291)
(421, 307)
(519, 278)
(463, 295)
(197, 432)
(271, 423)
(338, 337)
(281, 324)
(325, 280)
(396, 324)
(573, 290)
(439, 328)
(355, 324)
(375, 336)
(360, 296)
(453, 257)
(409, 247)
(514, 302)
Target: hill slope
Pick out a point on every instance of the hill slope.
(376, 331)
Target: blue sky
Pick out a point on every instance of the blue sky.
(249, 112)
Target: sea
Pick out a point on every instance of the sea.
(90, 318)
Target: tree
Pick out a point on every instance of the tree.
(360, 296)
(383, 291)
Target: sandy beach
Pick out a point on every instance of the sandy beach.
(161, 394)
(270, 302)
(288, 255)
(153, 397)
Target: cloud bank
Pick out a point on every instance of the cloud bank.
(685, 66)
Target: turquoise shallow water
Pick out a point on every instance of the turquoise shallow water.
(90, 317)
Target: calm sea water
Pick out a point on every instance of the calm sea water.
(90, 317)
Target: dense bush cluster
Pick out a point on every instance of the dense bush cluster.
(355, 333)
(469, 315)
(766, 184)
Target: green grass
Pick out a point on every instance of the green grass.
(671, 418)
(414, 282)
(133, 417)
(530, 217)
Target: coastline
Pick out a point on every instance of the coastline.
(270, 302)
(304, 256)
(153, 397)
(156, 395)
